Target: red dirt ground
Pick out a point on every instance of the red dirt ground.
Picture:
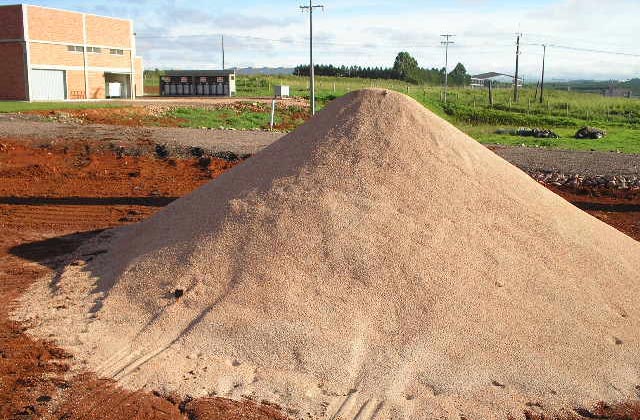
(155, 115)
(131, 116)
(52, 199)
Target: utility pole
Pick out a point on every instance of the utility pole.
(544, 57)
(222, 52)
(446, 44)
(312, 83)
(516, 94)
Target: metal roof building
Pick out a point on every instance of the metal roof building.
(198, 83)
(480, 80)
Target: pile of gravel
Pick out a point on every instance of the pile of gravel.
(376, 262)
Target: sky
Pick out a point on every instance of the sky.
(186, 34)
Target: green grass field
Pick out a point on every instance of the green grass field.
(562, 111)
(15, 106)
(239, 118)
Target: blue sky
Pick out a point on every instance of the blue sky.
(185, 34)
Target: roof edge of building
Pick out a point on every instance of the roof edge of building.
(66, 10)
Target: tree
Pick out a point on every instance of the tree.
(405, 66)
(459, 76)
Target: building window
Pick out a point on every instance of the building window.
(75, 48)
(94, 50)
(116, 51)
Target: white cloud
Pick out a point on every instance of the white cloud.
(371, 32)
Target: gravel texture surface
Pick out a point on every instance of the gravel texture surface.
(361, 267)
(588, 164)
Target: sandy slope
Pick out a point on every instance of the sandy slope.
(374, 263)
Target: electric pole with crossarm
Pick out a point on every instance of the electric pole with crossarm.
(544, 58)
(310, 8)
(516, 94)
(446, 44)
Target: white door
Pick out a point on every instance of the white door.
(115, 90)
(48, 85)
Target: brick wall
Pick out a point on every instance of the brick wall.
(108, 31)
(54, 25)
(75, 84)
(96, 85)
(11, 22)
(56, 55)
(106, 59)
(139, 77)
(12, 69)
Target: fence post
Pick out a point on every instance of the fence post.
(273, 113)
(567, 109)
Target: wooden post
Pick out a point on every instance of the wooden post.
(567, 109)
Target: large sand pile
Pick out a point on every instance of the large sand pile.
(377, 262)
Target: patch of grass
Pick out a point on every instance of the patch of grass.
(223, 117)
(14, 106)
(468, 110)
(619, 139)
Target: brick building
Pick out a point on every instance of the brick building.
(51, 54)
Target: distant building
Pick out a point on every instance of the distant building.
(614, 92)
(497, 79)
(52, 54)
(198, 83)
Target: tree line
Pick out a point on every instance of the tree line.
(405, 68)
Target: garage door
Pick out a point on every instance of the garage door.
(47, 85)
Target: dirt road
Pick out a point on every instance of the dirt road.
(238, 142)
(585, 163)
(180, 140)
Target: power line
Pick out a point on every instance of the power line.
(589, 50)
(446, 44)
(310, 8)
(390, 45)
